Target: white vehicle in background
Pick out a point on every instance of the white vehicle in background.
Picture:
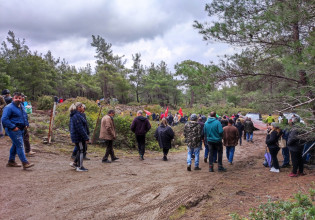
(295, 117)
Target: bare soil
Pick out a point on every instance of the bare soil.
(133, 189)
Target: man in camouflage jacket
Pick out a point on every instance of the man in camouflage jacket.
(193, 137)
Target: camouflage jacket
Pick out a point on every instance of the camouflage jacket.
(192, 133)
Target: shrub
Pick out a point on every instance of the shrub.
(300, 207)
(45, 102)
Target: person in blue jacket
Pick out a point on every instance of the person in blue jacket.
(79, 134)
(14, 120)
(214, 132)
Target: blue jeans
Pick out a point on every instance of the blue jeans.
(196, 152)
(230, 153)
(286, 155)
(17, 145)
(249, 136)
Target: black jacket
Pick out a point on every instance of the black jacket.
(294, 143)
(240, 127)
(272, 140)
(164, 136)
(140, 125)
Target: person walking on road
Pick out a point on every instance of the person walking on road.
(140, 126)
(164, 134)
(249, 129)
(108, 134)
(240, 128)
(193, 137)
(79, 134)
(214, 132)
(14, 119)
(230, 140)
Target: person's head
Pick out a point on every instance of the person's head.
(6, 92)
(224, 117)
(230, 122)
(139, 113)
(193, 117)
(83, 108)
(269, 114)
(200, 119)
(76, 107)
(213, 114)
(275, 126)
(280, 114)
(23, 97)
(17, 98)
(111, 113)
(238, 120)
(164, 122)
(249, 119)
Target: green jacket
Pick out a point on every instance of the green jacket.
(213, 130)
(270, 119)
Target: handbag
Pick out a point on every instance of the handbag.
(268, 157)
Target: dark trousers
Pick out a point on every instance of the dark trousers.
(76, 149)
(274, 153)
(109, 150)
(165, 151)
(81, 146)
(26, 140)
(141, 144)
(241, 134)
(215, 147)
(297, 162)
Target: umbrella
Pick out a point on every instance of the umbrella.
(268, 157)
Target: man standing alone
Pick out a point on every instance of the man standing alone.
(14, 120)
(140, 126)
(230, 140)
(213, 131)
(108, 133)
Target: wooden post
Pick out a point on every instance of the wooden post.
(97, 121)
(51, 124)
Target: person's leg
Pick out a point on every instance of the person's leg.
(189, 152)
(77, 156)
(294, 159)
(251, 136)
(286, 156)
(17, 145)
(220, 153)
(197, 152)
(111, 150)
(227, 150)
(75, 151)
(165, 151)
(206, 152)
(215, 154)
(26, 140)
(240, 139)
(211, 153)
(273, 153)
(231, 156)
(138, 138)
(1, 129)
(300, 162)
(107, 144)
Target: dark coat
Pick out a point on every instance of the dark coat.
(249, 126)
(170, 119)
(224, 122)
(230, 136)
(240, 128)
(78, 127)
(140, 125)
(294, 143)
(272, 139)
(164, 136)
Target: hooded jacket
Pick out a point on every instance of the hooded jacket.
(213, 130)
(192, 133)
(78, 127)
(164, 135)
(140, 125)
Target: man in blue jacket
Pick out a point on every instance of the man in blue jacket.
(14, 120)
(214, 132)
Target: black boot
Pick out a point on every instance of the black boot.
(165, 158)
(221, 169)
(189, 168)
(197, 168)
(211, 169)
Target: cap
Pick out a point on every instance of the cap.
(193, 117)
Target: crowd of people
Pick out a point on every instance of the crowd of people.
(213, 132)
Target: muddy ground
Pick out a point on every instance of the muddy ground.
(133, 189)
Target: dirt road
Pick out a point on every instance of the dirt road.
(133, 189)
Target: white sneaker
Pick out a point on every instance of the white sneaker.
(272, 169)
(73, 165)
(276, 171)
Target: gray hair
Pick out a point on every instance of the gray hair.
(140, 112)
(75, 106)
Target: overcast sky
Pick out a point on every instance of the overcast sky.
(158, 29)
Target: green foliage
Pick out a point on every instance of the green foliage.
(301, 207)
(45, 102)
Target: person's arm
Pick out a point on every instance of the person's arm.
(133, 126)
(148, 125)
(156, 134)
(6, 119)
